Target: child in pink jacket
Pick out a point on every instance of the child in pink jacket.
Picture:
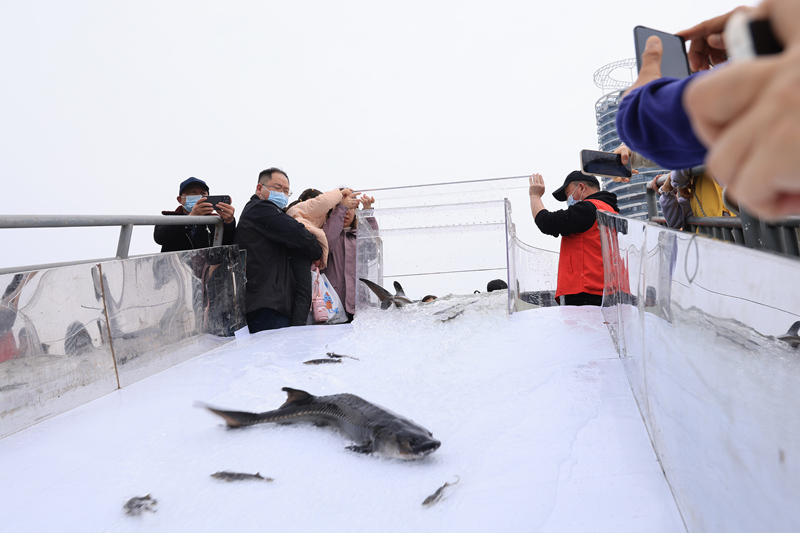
(311, 209)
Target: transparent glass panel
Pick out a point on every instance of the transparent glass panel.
(438, 250)
(700, 339)
(161, 306)
(61, 328)
(54, 346)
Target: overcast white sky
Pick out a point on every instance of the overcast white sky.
(105, 107)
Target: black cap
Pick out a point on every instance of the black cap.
(188, 181)
(575, 175)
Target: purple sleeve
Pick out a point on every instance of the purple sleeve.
(651, 121)
(334, 225)
(671, 209)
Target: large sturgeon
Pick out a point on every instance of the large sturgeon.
(373, 428)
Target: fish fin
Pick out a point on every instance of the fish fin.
(386, 305)
(382, 294)
(398, 289)
(236, 419)
(363, 448)
(295, 395)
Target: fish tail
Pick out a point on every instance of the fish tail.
(236, 419)
(382, 294)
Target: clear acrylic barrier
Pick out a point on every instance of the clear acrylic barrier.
(55, 352)
(720, 395)
(71, 334)
(451, 249)
(439, 250)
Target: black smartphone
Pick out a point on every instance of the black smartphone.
(745, 39)
(674, 62)
(214, 200)
(606, 164)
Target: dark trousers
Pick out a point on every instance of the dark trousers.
(583, 298)
(266, 318)
(301, 303)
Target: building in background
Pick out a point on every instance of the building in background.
(631, 197)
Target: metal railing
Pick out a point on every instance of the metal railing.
(126, 224)
(779, 236)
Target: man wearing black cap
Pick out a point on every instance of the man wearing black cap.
(191, 196)
(580, 263)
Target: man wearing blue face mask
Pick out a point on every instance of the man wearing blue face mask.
(270, 237)
(580, 263)
(191, 194)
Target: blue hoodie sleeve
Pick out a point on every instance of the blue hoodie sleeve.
(651, 121)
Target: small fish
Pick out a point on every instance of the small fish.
(451, 317)
(236, 476)
(436, 496)
(139, 504)
(321, 361)
(11, 387)
(339, 356)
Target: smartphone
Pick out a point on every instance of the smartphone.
(745, 39)
(606, 164)
(214, 200)
(674, 62)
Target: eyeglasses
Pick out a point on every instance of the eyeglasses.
(277, 188)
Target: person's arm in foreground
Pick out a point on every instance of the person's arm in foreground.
(748, 114)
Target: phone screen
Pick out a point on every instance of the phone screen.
(606, 164)
(674, 62)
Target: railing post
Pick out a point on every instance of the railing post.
(652, 203)
(218, 229)
(751, 230)
(124, 245)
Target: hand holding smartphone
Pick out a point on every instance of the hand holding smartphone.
(674, 61)
(606, 164)
(214, 200)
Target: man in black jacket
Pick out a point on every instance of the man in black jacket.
(580, 262)
(191, 196)
(269, 235)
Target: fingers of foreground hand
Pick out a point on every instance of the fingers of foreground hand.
(705, 41)
(714, 100)
(767, 180)
(784, 15)
(651, 63)
(771, 112)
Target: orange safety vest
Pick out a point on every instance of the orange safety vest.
(580, 263)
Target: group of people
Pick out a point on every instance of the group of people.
(742, 121)
(283, 242)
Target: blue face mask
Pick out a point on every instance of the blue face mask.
(279, 199)
(190, 201)
(571, 200)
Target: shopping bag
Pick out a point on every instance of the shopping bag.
(319, 309)
(333, 304)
